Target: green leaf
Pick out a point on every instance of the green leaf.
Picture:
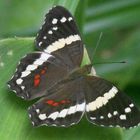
(119, 21)
(128, 52)
(19, 18)
(80, 15)
(114, 14)
(132, 134)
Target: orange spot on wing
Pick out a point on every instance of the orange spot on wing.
(55, 104)
(50, 102)
(43, 71)
(36, 80)
(63, 101)
(37, 76)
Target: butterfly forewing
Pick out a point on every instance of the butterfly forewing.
(35, 74)
(59, 24)
(59, 35)
(106, 105)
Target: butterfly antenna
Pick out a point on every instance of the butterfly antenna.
(109, 62)
(97, 45)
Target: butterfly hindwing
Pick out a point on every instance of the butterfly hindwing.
(35, 74)
(59, 36)
(64, 107)
(106, 105)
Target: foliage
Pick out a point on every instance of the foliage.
(119, 22)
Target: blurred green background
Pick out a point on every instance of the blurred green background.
(118, 20)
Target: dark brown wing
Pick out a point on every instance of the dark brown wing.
(64, 107)
(59, 36)
(106, 105)
(35, 74)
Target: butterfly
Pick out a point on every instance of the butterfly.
(65, 90)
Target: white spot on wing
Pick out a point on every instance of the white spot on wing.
(45, 56)
(55, 28)
(93, 118)
(123, 117)
(8, 85)
(99, 102)
(53, 115)
(127, 110)
(102, 125)
(30, 115)
(72, 110)
(25, 73)
(50, 49)
(115, 113)
(63, 19)
(63, 113)
(44, 37)
(22, 97)
(50, 32)
(63, 125)
(102, 100)
(110, 125)
(101, 117)
(37, 110)
(14, 91)
(80, 107)
(57, 45)
(70, 39)
(38, 62)
(70, 18)
(109, 115)
(117, 126)
(131, 105)
(61, 43)
(54, 21)
(72, 123)
(33, 123)
(19, 81)
(40, 43)
(42, 116)
(53, 125)
(31, 67)
(22, 87)
(77, 37)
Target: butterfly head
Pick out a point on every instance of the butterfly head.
(86, 69)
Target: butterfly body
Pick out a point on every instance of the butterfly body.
(80, 72)
(67, 91)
